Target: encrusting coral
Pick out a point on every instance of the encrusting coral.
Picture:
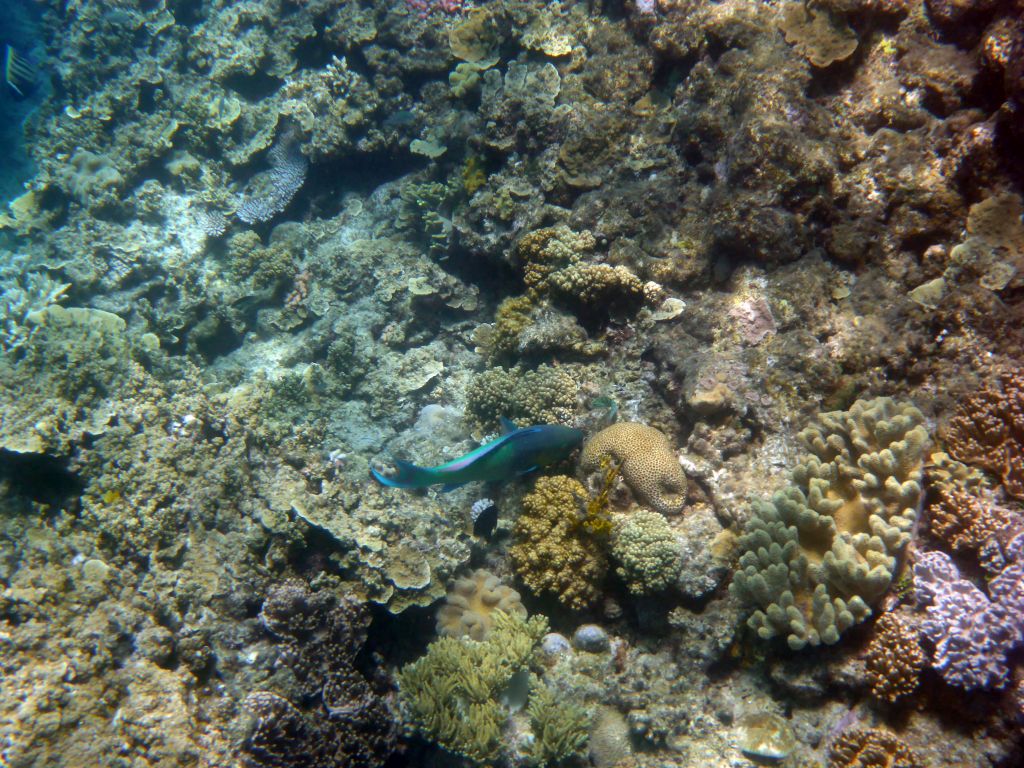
(646, 460)
(469, 607)
(453, 695)
(988, 430)
(824, 549)
(871, 748)
(894, 659)
(647, 551)
(553, 551)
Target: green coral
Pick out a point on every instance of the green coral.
(822, 551)
(427, 211)
(648, 552)
(546, 395)
(452, 692)
(559, 728)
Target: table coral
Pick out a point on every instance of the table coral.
(871, 748)
(824, 549)
(646, 460)
(469, 608)
(647, 551)
(894, 659)
(553, 553)
(988, 430)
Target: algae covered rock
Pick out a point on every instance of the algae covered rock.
(822, 551)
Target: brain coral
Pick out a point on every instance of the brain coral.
(647, 549)
(470, 603)
(822, 550)
(646, 462)
(553, 552)
(894, 658)
(988, 430)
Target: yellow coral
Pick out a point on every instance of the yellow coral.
(647, 462)
(552, 552)
(471, 602)
(871, 748)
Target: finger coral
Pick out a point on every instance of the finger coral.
(468, 610)
(894, 659)
(553, 552)
(988, 430)
(646, 460)
(871, 748)
(824, 549)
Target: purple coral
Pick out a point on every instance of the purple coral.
(972, 633)
(425, 7)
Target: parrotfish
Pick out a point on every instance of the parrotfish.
(516, 452)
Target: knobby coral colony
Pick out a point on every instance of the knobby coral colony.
(256, 249)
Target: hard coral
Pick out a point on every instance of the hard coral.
(546, 395)
(988, 430)
(646, 460)
(825, 548)
(647, 549)
(552, 552)
(817, 34)
(871, 748)
(894, 659)
(471, 602)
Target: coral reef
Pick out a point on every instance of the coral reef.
(647, 552)
(894, 658)
(871, 748)
(471, 602)
(552, 552)
(646, 461)
(972, 633)
(988, 430)
(822, 551)
(546, 395)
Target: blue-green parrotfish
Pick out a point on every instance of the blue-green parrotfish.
(516, 452)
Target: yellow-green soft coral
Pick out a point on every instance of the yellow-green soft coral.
(553, 551)
(453, 693)
(824, 549)
(647, 551)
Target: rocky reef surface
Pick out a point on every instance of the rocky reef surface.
(768, 256)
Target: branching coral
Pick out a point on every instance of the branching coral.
(871, 748)
(546, 395)
(988, 430)
(894, 659)
(646, 460)
(648, 552)
(469, 608)
(553, 552)
(452, 693)
(824, 549)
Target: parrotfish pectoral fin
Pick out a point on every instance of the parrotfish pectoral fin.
(450, 487)
(407, 476)
(507, 426)
(528, 470)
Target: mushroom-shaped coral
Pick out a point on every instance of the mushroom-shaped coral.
(988, 430)
(894, 659)
(471, 601)
(646, 462)
(647, 549)
(871, 748)
(553, 551)
(825, 548)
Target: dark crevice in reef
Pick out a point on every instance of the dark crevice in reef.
(44, 479)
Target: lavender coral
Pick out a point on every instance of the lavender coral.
(972, 633)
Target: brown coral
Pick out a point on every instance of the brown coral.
(646, 460)
(553, 552)
(988, 430)
(817, 34)
(871, 748)
(958, 511)
(894, 659)
(470, 603)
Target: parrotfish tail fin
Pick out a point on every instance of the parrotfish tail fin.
(507, 426)
(407, 476)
